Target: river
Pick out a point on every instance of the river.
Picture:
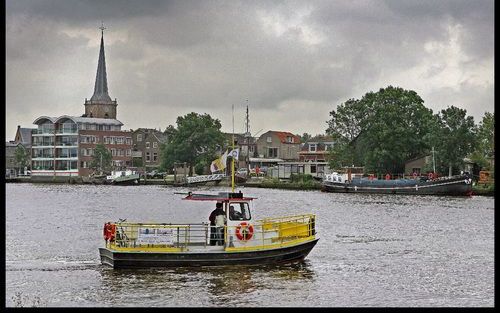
(374, 251)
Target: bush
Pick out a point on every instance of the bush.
(301, 178)
(199, 168)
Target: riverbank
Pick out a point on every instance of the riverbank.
(483, 190)
(256, 182)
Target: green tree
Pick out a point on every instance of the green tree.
(305, 137)
(455, 138)
(102, 159)
(485, 139)
(381, 130)
(195, 140)
(21, 157)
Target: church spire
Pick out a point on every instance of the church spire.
(101, 82)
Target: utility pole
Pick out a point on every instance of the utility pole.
(433, 161)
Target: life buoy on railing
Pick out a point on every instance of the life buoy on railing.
(244, 231)
(431, 175)
(109, 231)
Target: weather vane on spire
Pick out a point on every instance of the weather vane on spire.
(102, 28)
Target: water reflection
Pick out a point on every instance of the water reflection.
(222, 285)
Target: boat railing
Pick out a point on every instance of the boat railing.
(180, 237)
(138, 236)
(271, 232)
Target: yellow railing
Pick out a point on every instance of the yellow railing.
(181, 237)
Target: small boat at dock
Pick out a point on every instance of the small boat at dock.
(125, 177)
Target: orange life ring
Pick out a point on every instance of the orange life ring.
(388, 177)
(244, 231)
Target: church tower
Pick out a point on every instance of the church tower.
(101, 105)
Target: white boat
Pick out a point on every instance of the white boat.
(125, 177)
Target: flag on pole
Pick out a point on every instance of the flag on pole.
(219, 164)
(234, 153)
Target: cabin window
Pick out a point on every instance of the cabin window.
(239, 212)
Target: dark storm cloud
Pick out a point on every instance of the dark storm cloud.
(291, 59)
(87, 11)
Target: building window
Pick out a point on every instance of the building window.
(273, 152)
(147, 145)
(128, 141)
(313, 169)
(148, 157)
(289, 139)
(312, 147)
(155, 145)
(139, 137)
(155, 156)
(269, 139)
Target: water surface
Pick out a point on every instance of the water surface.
(375, 250)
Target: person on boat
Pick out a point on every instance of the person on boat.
(220, 222)
(213, 229)
(234, 215)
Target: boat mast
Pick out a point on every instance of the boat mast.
(232, 158)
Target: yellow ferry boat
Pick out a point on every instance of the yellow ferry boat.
(240, 240)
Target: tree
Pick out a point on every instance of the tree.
(485, 139)
(195, 140)
(305, 137)
(21, 156)
(102, 159)
(456, 137)
(381, 130)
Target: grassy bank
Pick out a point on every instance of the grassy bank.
(296, 182)
(483, 189)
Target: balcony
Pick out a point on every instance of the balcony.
(67, 131)
(44, 131)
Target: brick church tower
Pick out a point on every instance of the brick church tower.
(101, 105)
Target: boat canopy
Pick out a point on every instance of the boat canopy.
(220, 197)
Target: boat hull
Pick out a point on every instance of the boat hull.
(119, 259)
(459, 186)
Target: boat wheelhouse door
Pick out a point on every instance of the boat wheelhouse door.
(240, 228)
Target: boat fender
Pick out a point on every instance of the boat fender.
(244, 231)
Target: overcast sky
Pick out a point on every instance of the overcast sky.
(292, 62)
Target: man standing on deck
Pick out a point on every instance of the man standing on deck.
(213, 228)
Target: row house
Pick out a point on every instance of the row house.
(147, 147)
(279, 145)
(316, 149)
(11, 165)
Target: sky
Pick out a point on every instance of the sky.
(291, 62)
